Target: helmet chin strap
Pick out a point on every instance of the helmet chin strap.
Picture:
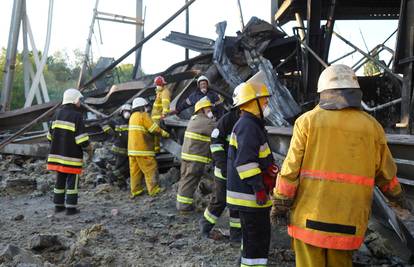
(260, 109)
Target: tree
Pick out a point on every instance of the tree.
(370, 68)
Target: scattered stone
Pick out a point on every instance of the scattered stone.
(45, 241)
(12, 256)
(179, 244)
(93, 232)
(69, 233)
(103, 189)
(114, 212)
(20, 184)
(18, 217)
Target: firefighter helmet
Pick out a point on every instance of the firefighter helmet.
(247, 91)
(202, 103)
(337, 77)
(202, 78)
(159, 81)
(71, 96)
(139, 102)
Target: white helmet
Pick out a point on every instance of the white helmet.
(202, 78)
(139, 102)
(337, 77)
(125, 107)
(71, 96)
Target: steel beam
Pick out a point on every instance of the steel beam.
(11, 55)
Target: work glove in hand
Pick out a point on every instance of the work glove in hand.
(269, 177)
(280, 210)
(261, 197)
(165, 134)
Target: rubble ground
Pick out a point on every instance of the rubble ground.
(112, 230)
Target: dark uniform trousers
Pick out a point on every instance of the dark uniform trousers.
(66, 186)
(217, 205)
(121, 170)
(255, 236)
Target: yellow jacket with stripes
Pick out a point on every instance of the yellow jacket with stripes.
(196, 145)
(335, 159)
(67, 137)
(161, 106)
(140, 135)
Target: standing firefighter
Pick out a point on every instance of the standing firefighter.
(195, 153)
(251, 172)
(201, 92)
(219, 147)
(120, 146)
(141, 149)
(337, 155)
(68, 140)
(161, 106)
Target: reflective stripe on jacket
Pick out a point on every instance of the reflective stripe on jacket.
(67, 136)
(140, 135)
(161, 106)
(334, 160)
(196, 145)
(248, 155)
(220, 142)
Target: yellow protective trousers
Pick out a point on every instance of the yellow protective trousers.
(310, 256)
(157, 139)
(147, 167)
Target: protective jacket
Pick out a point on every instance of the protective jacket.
(67, 136)
(120, 141)
(196, 145)
(193, 98)
(220, 142)
(335, 159)
(140, 136)
(248, 156)
(161, 106)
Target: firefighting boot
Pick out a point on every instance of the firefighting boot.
(235, 235)
(72, 211)
(205, 227)
(59, 209)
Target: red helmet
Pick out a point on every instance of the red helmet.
(159, 81)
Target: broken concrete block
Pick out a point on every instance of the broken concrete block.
(45, 241)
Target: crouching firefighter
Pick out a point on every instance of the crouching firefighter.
(67, 139)
(251, 172)
(219, 147)
(120, 173)
(337, 155)
(195, 153)
(142, 162)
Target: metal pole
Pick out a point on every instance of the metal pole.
(26, 71)
(88, 45)
(301, 27)
(187, 28)
(240, 14)
(138, 35)
(138, 45)
(11, 55)
(368, 56)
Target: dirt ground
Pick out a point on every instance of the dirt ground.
(111, 229)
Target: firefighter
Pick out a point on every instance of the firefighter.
(119, 126)
(202, 91)
(219, 146)
(68, 139)
(337, 155)
(161, 106)
(195, 153)
(141, 152)
(251, 172)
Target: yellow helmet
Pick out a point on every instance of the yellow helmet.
(202, 103)
(248, 91)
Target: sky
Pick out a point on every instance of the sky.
(72, 18)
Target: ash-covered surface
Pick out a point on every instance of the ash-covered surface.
(112, 230)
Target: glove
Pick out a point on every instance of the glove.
(273, 170)
(261, 197)
(165, 134)
(280, 210)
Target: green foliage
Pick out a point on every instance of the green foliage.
(61, 72)
(370, 68)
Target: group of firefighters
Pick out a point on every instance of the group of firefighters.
(322, 192)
